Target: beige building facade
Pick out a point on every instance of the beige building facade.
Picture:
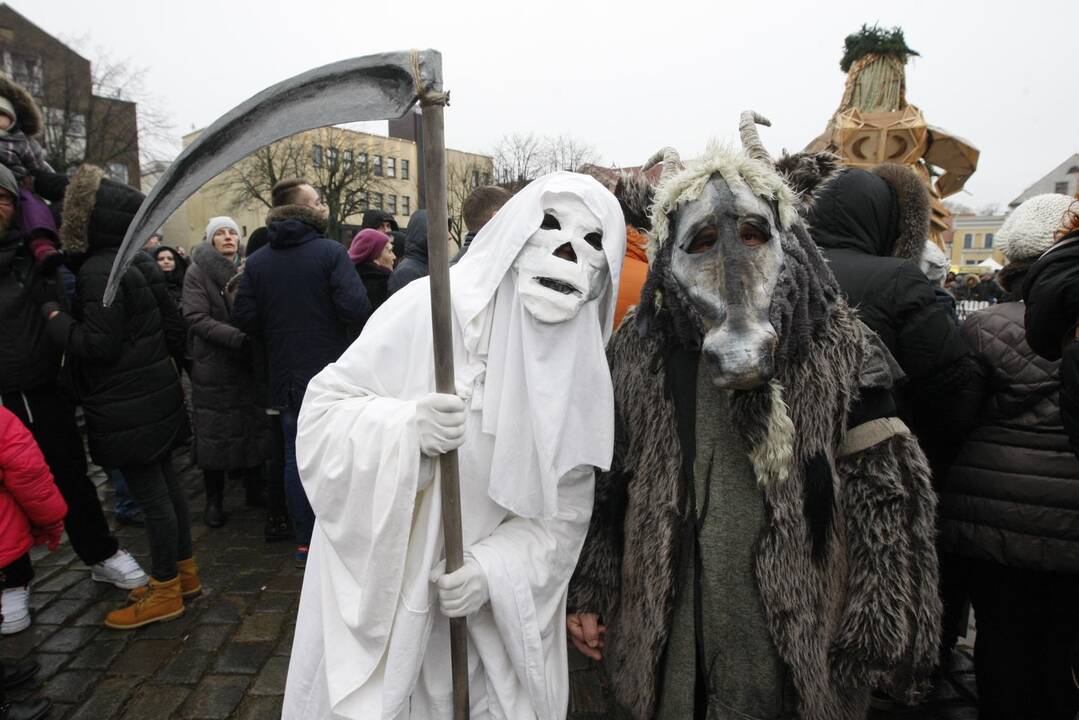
(357, 170)
(973, 240)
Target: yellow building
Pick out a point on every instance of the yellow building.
(973, 240)
(356, 170)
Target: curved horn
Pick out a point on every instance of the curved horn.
(751, 141)
(375, 87)
(666, 156)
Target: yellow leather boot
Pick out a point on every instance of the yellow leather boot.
(190, 586)
(162, 601)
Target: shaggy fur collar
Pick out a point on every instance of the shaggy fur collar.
(216, 266)
(737, 169)
(29, 113)
(80, 196)
(304, 214)
(914, 209)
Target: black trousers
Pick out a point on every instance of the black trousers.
(275, 470)
(19, 573)
(1027, 622)
(164, 508)
(51, 420)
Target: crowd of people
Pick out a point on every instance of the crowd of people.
(215, 348)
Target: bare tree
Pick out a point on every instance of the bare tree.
(989, 209)
(567, 153)
(957, 208)
(519, 158)
(334, 161)
(461, 180)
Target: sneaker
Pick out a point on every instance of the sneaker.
(15, 607)
(121, 570)
(301, 556)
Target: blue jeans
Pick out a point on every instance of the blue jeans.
(303, 517)
(126, 506)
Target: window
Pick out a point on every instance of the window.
(989, 241)
(404, 171)
(378, 167)
(363, 200)
(316, 155)
(331, 157)
(117, 172)
(376, 200)
(406, 205)
(475, 178)
(391, 204)
(1062, 188)
(971, 262)
(968, 241)
(363, 163)
(391, 167)
(346, 159)
(487, 178)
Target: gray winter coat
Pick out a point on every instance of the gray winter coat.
(1012, 496)
(231, 431)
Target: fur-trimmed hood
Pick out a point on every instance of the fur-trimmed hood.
(806, 172)
(29, 120)
(216, 266)
(883, 212)
(79, 199)
(303, 213)
(95, 212)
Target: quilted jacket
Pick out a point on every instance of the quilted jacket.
(1012, 496)
(28, 495)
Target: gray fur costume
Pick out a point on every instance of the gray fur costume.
(846, 567)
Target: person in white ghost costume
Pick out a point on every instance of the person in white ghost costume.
(533, 303)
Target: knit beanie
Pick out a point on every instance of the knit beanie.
(216, 223)
(7, 108)
(1029, 230)
(367, 245)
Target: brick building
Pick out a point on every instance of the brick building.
(79, 124)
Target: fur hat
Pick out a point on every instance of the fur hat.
(1028, 231)
(96, 211)
(26, 112)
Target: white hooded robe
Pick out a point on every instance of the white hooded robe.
(370, 641)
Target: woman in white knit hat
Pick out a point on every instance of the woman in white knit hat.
(1011, 500)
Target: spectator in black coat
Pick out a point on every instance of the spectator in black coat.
(174, 267)
(30, 388)
(872, 228)
(127, 383)
(414, 266)
(300, 294)
(372, 254)
(1009, 503)
(1051, 292)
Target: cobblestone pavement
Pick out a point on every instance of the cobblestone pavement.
(225, 657)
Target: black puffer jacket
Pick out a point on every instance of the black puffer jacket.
(125, 379)
(414, 266)
(28, 359)
(1013, 492)
(1051, 292)
(872, 227)
(231, 432)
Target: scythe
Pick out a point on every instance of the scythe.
(375, 87)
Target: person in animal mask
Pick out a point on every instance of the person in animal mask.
(533, 304)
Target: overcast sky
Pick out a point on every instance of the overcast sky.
(626, 77)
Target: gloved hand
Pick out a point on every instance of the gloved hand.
(48, 534)
(462, 592)
(48, 308)
(440, 420)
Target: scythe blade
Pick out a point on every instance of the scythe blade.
(375, 87)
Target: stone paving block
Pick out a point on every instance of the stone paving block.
(109, 696)
(52, 559)
(71, 685)
(226, 610)
(98, 655)
(143, 657)
(215, 697)
(185, 667)
(95, 614)
(260, 707)
(260, 627)
(246, 658)
(39, 600)
(285, 646)
(248, 583)
(22, 644)
(91, 590)
(271, 681)
(155, 702)
(208, 637)
(276, 602)
(285, 584)
(68, 640)
(60, 612)
(59, 581)
(170, 629)
(50, 663)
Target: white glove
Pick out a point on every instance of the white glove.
(440, 420)
(462, 592)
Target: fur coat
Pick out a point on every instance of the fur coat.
(855, 611)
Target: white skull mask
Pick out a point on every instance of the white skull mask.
(562, 266)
